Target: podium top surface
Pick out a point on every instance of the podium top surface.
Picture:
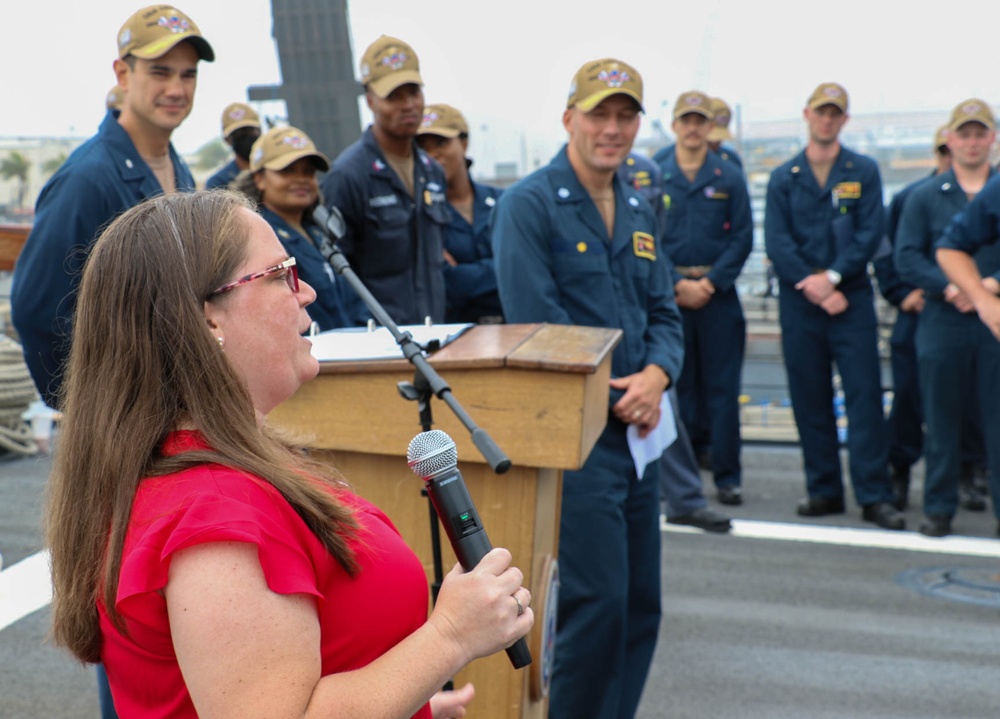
(545, 347)
(540, 390)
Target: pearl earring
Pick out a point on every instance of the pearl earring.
(222, 343)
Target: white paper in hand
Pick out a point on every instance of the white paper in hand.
(649, 448)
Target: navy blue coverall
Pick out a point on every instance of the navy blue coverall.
(946, 371)
(680, 480)
(471, 285)
(555, 263)
(808, 229)
(394, 242)
(973, 349)
(224, 176)
(101, 179)
(904, 426)
(709, 233)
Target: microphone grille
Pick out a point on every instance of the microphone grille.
(430, 453)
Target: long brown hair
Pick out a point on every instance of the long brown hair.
(142, 363)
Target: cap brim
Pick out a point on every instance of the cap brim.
(384, 86)
(823, 103)
(285, 160)
(448, 132)
(965, 121)
(718, 134)
(161, 47)
(589, 103)
(693, 111)
(240, 125)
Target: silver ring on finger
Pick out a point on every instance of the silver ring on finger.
(520, 607)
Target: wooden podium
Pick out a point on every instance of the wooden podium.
(541, 392)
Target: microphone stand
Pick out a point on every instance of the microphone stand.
(427, 383)
(333, 229)
(420, 392)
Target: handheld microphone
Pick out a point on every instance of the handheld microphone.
(433, 456)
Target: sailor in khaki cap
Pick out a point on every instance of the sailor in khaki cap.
(708, 235)
(905, 423)
(469, 277)
(956, 356)
(129, 159)
(240, 130)
(113, 100)
(822, 225)
(720, 137)
(391, 193)
(283, 183)
(575, 245)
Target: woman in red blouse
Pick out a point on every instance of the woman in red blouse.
(206, 561)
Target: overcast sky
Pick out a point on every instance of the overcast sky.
(508, 64)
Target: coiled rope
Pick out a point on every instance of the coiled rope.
(17, 392)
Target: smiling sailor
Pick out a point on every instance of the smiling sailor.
(573, 244)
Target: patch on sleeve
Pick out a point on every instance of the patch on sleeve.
(643, 245)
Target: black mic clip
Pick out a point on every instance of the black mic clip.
(331, 222)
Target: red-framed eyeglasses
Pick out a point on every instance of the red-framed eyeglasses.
(288, 267)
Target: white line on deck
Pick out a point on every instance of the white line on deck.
(855, 537)
(25, 587)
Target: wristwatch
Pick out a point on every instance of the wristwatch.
(834, 277)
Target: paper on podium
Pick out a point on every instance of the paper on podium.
(649, 448)
(362, 344)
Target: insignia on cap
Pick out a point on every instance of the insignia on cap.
(972, 108)
(297, 142)
(722, 118)
(174, 24)
(614, 77)
(832, 91)
(365, 70)
(395, 61)
(429, 119)
(237, 113)
(125, 38)
(692, 100)
(258, 155)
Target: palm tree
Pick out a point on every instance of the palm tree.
(212, 154)
(16, 166)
